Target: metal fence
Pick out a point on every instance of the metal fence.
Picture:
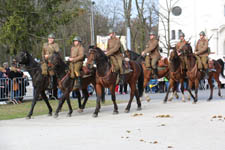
(13, 90)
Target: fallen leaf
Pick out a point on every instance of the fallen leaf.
(220, 116)
(170, 146)
(122, 137)
(127, 137)
(163, 125)
(141, 140)
(155, 142)
(214, 117)
(128, 131)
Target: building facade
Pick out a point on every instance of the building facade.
(193, 16)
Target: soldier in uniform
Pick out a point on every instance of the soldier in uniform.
(48, 49)
(179, 47)
(201, 51)
(152, 53)
(115, 54)
(76, 61)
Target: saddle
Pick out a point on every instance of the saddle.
(163, 62)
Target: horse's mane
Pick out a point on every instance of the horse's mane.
(100, 52)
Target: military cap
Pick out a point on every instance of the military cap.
(152, 33)
(77, 38)
(202, 33)
(182, 34)
(51, 36)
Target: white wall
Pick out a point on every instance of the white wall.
(199, 15)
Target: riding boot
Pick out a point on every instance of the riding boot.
(155, 73)
(77, 83)
(51, 84)
(122, 79)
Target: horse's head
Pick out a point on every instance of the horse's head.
(187, 49)
(55, 59)
(173, 55)
(96, 56)
(23, 58)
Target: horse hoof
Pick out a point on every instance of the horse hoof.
(127, 111)
(194, 103)
(80, 110)
(115, 112)
(183, 101)
(139, 109)
(209, 99)
(56, 116)
(69, 115)
(148, 99)
(95, 115)
(164, 102)
(170, 99)
(49, 114)
(28, 117)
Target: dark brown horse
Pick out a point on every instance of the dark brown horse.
(194, 75)
(65, 83)
(177, 75)
(40, 82)
(106, 78)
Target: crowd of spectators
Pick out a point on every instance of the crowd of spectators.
(13, 83)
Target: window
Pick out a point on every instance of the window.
(179, 32)
(173, 35)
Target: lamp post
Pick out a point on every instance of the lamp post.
(92, 24)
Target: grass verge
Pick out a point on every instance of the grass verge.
(11, 111)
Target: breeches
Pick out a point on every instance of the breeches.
(117, 62)
(75, 69)
(46, 70)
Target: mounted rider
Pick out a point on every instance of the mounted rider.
(114, 52)
(152, 53)
(201, 51)
(76, 61)
(48, 49)
(180, 52)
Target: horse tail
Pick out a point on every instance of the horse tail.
(220, 61)
(141, 82)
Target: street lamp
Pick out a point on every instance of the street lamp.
(92, 24)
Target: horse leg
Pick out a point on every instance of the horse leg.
(69, 106)
(196, 90)
(138, 100)
(168, 91)
(34, 101)
(190, 84)
(99, 95)
(60, 104)
(85, 92)
(182, 90)
(132, 86)
(211, 88)
(216, 77)
(79, 100)
(113, 97)
(146, 95)
(47, 103)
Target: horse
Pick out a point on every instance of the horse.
(66, 83)
(105, 77)
(163, 71)
(40, 82)
(177, 75)
(194, 75)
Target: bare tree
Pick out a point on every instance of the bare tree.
(164, 13)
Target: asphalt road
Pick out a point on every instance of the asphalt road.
(175, 125)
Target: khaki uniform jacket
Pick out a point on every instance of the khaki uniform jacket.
(152, 49)
(113, 47)
(201, 48)
(49, 49)
(77, 53)
(180, 45)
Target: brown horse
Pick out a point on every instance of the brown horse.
(65, 83)
(163, 70)
(105, 77)
(177, 75)
(194, 75)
